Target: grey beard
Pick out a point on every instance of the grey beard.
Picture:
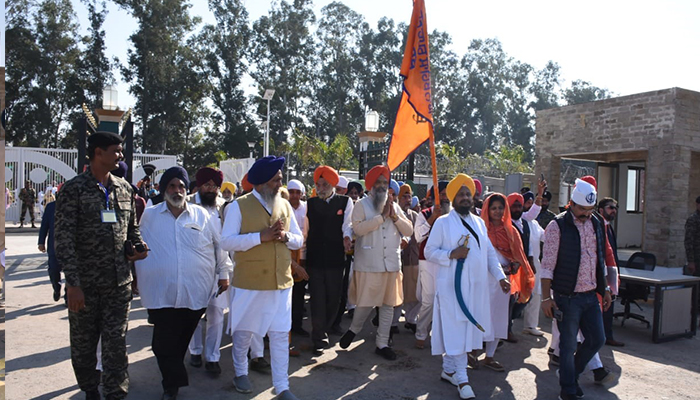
(270, 198)
(378, 199)
(173, 201)
(445, 208)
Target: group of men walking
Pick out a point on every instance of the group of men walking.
(457, 270)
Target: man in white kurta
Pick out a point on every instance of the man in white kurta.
(453, 334)
(261, 229)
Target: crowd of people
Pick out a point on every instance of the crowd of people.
(458, 269)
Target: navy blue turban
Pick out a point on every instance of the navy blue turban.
(120, 171)
(173, 172)
(442, 185)
(528, 196)
(264, 169)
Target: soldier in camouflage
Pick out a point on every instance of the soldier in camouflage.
(28, 197)
(692, 240)
(95, 215)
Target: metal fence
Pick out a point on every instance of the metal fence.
(48, 168)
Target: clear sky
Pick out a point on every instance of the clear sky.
(625, 46)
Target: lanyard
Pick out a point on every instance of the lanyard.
(106, 192)
(466, 225)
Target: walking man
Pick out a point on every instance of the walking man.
(573, 267)
(181, 274)
(95, 216)
(261, 229)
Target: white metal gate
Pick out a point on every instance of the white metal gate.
(46, 168)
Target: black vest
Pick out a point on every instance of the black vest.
(524, 236)
(324, 244)
(569, 257)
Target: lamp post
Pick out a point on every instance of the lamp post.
(370, 157)
(251, 145)
(267, 96)
(109, 98)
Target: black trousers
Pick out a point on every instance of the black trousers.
(298, 292)
(608, 322)
(516, 311)
(172, 331)
(325, 286)
(344, 293)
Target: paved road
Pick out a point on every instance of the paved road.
(38, 358)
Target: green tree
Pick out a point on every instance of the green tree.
(282, 57)
(545, 87)
(583, 92)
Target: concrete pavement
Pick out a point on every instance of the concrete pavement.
(38, 357)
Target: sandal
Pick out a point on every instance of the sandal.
(494, 365)
(473, 360)
(420, 344)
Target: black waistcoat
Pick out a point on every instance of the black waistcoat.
(324, 244)
(569, 257)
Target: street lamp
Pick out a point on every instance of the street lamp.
(251, 145)
(268, 96)
(372, 121)
(109, 98)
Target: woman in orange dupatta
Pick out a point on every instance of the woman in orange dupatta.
(509, 248)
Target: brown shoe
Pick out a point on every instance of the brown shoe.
(420, 344)
(511, 338)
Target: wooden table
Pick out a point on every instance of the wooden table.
(674, 295)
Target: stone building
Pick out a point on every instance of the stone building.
(646, 152)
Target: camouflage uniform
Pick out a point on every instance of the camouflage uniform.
(28, 198)
(692, 240)
(92, 255)
(544, 218)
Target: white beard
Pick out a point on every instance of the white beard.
(378, 199)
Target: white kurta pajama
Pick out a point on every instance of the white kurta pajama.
(259, 312)
(453, 334)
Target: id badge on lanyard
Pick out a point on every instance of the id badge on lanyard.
(109, 216)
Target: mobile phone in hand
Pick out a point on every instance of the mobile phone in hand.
(558, 315)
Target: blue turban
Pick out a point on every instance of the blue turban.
(442, 185)
(414, 201)
(401, 183)
(173, 172)
(528, 196)
(394, 186)
(264, 169)
(120, 171)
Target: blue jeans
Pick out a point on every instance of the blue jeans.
(579, 312)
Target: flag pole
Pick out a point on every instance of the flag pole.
(433, 160)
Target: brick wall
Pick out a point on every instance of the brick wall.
(661, 128)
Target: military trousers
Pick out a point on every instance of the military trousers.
(27, 207)
(105, 315)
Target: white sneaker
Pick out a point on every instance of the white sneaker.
(448, 378)
(466, 392)
(533, 331)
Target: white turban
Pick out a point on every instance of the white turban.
(296, 185)
(584, 194)
(342, 182)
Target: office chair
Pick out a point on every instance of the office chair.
(631, 292)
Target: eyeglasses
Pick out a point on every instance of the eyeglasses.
(611, 207)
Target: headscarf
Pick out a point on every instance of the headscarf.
(393, 185)
(590, 179)
(528, 196)
(456, 183)
(206, 174)
(172, 172)
(230, 186)
(327, 173)
(506, 240)
(513, 197)
(247, 186)
(584, 193)
(265, 169)
(374, 173)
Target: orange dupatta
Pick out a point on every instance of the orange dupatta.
(506, 240)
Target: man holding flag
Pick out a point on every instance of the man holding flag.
(459, 244)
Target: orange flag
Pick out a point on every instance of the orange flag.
(414, 120)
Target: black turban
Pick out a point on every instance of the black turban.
(173, 172)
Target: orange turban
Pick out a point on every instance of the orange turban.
(513, 197)
(327, 173)
(405, 189)
(374, 173)
(247, 187)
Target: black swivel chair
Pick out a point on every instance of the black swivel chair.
(631, 292)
